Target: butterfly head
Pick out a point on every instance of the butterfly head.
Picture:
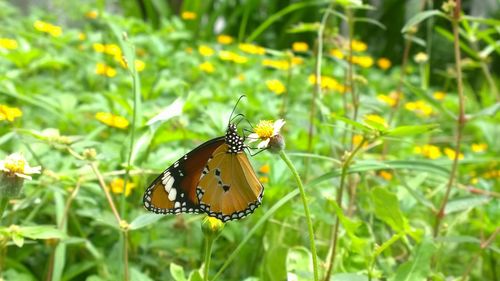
(234, 140)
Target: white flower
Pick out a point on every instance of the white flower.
(16, 165)
(265, 131)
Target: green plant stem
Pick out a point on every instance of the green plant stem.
(117, 217)
(460, 119)
(340, 193)
(317, 85)
(306, 211)
(484, 245)
(4, 201)
(209, 241)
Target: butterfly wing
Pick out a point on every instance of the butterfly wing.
(174, 190)
(228, 188)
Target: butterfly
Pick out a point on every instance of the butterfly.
(215, 178)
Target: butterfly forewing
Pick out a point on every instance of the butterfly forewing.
(228, 188)
(174, 190)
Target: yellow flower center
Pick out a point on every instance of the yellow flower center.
(264, 129)
(15, 165)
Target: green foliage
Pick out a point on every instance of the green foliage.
(104, 99)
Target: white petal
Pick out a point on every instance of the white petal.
(278, 124)
(253, 137)
(263, 144)
(23, 176)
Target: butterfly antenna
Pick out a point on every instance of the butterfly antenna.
(234, 108)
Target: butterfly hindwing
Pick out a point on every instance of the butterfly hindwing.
(174, 190)
(228, 188)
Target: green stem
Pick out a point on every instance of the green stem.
(335, 231)
(306, 211)
(460, 120)
(209, 241)
(4, 201)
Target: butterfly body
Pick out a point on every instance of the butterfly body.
(215, 178)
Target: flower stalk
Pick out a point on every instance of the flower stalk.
(310, 228)
(461, 120)
(345, 168)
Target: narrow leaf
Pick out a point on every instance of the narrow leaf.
(418, 267)
(418, 18)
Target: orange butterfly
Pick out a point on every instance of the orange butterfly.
(215, 178)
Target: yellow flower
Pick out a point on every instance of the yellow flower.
(188, 15)
(230, 56)
(82, 36)
(265, 169)
(93, 14)
(263, 180)
(428, 151)
(388, 99)
(297, 60)
(385, 175)
(327, 83)
(438, 95)
(451, 153)
(98, 47)
(117, 185)
(337, 53)
(9, 113)
(277, 64)
(224, 39)
(49, 28)
(251, 49)
(211, 226)
(9, 44)
(419, 107)
(363, 61)
(358, 46)
(384, 63)
(105, 70)
(373, 118)
(205, 51)
(265, 130)
(479, 147)
(16, 165)
(112, 120)
(113, 50)
(275, 86)
(357, 139)
(207, 67)
(300, 47)
(139, 65)
(421, 57)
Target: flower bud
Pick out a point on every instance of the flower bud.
(211, 226)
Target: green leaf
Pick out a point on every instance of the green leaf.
(353, 123)
(299, 264)
(195, 275)
(370, 21)
(418, 18)
(17, 239)
(349, 277)
(144, 220)
(350, 227)
(281, 13)
(41, 232)
(387, 209)
(387, 244)
(463, 204)
(177, 272)
(304, 27)
(274, 262)
(418, 267)
(404, 131)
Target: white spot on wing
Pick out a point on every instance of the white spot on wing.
(172, 195)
